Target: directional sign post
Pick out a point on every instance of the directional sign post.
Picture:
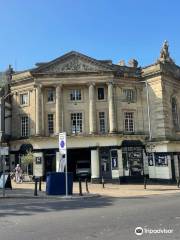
(63, 151)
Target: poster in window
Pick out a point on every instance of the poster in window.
(150, 159)
(161, 160)
(114, 161)
(38, 160)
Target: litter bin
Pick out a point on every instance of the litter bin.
(56, 183)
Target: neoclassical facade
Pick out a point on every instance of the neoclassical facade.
(123, 119)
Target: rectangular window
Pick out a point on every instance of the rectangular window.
(75, 95)
(50, 95)
(129, 95)
(102, 122)
(24, 126)
(129, 122)
(76, 122)
(51, 123)
(24, 99)
(100, 93)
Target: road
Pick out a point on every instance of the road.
(103, 218)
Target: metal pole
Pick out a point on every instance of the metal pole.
(3, 175)
(66, 176)
(39, 183)
(86, 182)
(35, 186)
(80, 187)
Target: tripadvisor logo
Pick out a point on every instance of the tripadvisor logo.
(139, 231)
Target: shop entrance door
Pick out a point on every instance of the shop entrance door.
(132, 161)
(105, 162)
(50, 162)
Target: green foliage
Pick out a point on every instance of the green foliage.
(3, 79)
(27, 159)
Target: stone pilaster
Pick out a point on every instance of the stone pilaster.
(92, 109)
(95, 170)
(112, 115)
(42, 114)
(38, 110)
(58, 109)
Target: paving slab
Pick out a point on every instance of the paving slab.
(26, 190)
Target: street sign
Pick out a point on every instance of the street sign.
(63, 152)
(4, 151)
(62, 143)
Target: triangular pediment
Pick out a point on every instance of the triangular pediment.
(73, 62)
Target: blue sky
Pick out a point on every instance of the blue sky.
(41, 30)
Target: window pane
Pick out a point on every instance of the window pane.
(100, 93)
(50, 95)
(129, 95)
(175, 113)
(102, 122)
(50, 123)
(75, 94)
(24, 99)
(76, 122)
(129, 121)
(24, 126)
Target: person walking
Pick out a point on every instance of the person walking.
(18, 174)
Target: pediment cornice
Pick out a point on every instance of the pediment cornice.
(73, 62)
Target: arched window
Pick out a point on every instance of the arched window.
(175, 113)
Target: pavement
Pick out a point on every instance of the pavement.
(100, 218)
(26, 190)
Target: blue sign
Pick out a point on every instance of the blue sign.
(62, 143)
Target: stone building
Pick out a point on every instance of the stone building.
(5, 113)
(123, 120)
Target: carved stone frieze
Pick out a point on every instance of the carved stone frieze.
(74, 64)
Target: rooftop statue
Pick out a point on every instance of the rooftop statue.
(164, 54)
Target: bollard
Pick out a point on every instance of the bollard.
(39, 183)
(103, 182)
(145, 181)
(86, 181)
(80, 187)
(35, 186)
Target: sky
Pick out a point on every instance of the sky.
(42, 30)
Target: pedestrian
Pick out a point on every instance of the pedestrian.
(18, 174)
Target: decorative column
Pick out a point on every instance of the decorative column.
(92, 109)
(38, 110)
(112, 116)
(58, 109)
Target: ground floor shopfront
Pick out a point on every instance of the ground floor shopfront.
(113, 158)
